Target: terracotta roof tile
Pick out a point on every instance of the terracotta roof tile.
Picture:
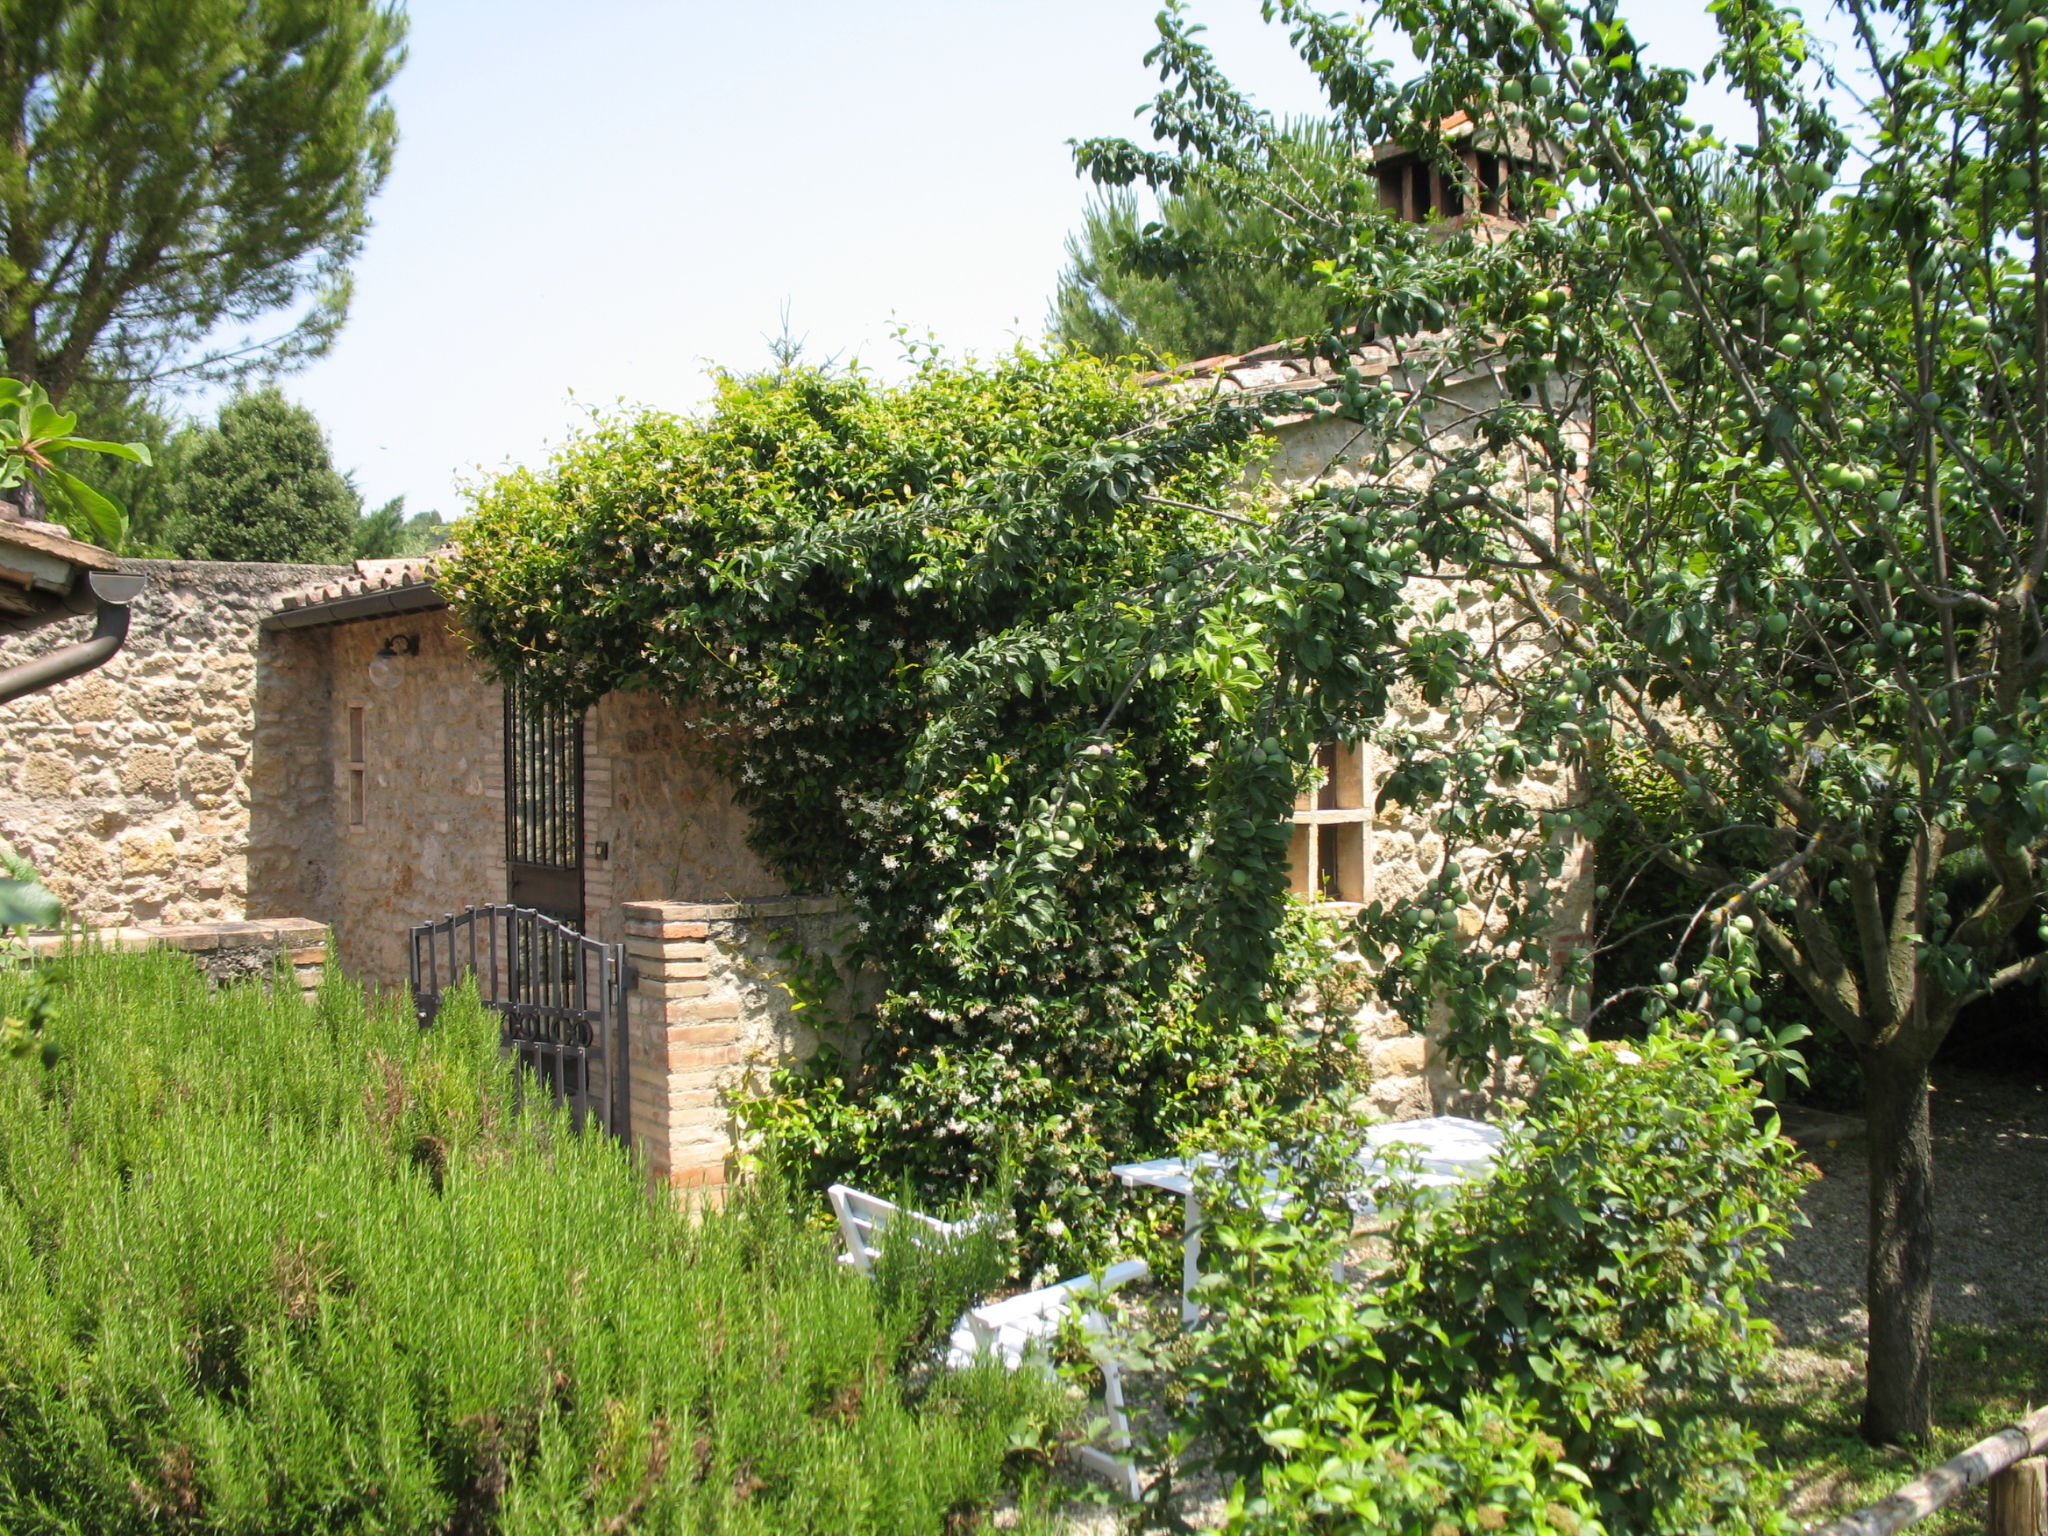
(371, 576)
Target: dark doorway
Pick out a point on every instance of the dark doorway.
(543, 807)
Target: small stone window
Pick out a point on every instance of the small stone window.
(358, 768)
(1326, 859)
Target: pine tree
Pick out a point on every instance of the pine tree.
(171, 173)
(1202, 278)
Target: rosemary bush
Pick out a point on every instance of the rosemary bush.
(272, 1269)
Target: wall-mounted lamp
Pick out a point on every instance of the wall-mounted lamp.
(384, 665)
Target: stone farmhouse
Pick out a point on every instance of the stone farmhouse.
(289, 757)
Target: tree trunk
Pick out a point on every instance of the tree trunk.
(1898, 1400)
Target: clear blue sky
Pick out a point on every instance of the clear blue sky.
(598, 201)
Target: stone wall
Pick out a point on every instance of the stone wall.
(427, 836)
(1403, 852)
(662, 814)
(131, 787)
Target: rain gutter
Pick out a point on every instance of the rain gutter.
(114, 590)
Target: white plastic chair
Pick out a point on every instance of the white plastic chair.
(863, 1217)
(1020, 1331)
(1014, 1332)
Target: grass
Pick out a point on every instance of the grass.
(272, 1269)
(1984, 1379)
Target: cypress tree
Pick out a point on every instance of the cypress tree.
(260, 485)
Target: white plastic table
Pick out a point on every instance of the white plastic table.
(1445, 1150)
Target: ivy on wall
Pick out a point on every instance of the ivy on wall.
(1003, 656)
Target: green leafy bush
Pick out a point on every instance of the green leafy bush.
(1595, 1288)
(1411, 1467)
(924, 1285)
(269, 1269)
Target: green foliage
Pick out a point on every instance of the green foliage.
(1411, 1467)
(388, 533)
(1574, 1320)
(24, 901)
(172, 173)
(34, 434)
(925, 1280)
(1764, 488)
(145, 491)
(259, 485)
(979, 659)
(271, 1268)
(1202, 278)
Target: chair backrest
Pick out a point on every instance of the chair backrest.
(863, 1217)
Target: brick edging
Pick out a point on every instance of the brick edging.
(305, 942)
(686, 1020)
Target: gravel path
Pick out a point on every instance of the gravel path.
(1990, 1165)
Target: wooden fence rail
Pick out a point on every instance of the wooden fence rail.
(2010, 1461)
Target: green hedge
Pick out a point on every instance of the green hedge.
(270, 1269)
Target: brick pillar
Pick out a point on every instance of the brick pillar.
(682, 1037)
(704, 1001)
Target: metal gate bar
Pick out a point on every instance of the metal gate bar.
(560, 997)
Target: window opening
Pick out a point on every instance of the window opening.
(358, 768)
(1489, 182)
(1327, 853)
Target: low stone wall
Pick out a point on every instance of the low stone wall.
(222, 951)
(704, 1006)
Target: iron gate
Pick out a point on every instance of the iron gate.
(543, 806)
(561, 997)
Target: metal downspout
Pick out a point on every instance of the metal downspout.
(115, 590)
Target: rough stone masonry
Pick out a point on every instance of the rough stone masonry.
(130, 788)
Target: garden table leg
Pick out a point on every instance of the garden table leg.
(1190, 1271)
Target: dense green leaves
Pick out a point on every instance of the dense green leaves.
(1766, 488)
(259, 485)
(387, 533)
(980, 657)
(266, 1267)
(34, 434)
(1558, 1344)
(1203, 277)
